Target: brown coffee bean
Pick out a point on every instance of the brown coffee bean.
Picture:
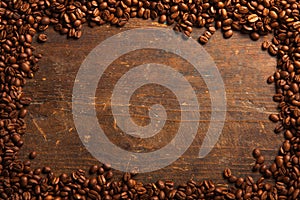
(232, 179)
(256, 153)
(25, 67)
(42, 37)
(22, 113)
(93, 169)
(260, 160)
(45, 20)
(254, 36)
(228, 34)
(273, 14)
(24, 181)
(252, 18)
(203, 39)
(230, 196)
(274, 117)
(265, 45)
(77, 23)
(273, 50)
(270, 79)
(227, 173)
(32, 155)
(46, 170)
(162, 19)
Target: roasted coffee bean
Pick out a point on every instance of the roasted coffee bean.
(274, 117)
(273, 50)
(42, 37)
(93, 169)
(203, 39)
(252, 18)
(32, 155)
(254, 36)
(162, 19)
(270, 79)
(227, 173)
(46, 170)
(260, 159)
(256, 153)
(45, 20)
(228, 34)
(265, 45)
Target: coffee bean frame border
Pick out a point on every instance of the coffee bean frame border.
(22, 19)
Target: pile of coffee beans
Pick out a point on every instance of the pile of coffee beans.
(23, 20)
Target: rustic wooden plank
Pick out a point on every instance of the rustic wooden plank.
(244, 69)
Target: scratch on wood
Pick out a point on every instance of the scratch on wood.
(180, 168)
(263, 127)
(38, 127)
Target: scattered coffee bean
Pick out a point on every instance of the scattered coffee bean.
(42, 37)
(32, 155)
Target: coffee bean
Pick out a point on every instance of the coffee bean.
(273, 50)
(22, 112)
(93, 169)
(232, 179)
(252, 18)
(265, 45)
(230, 196)
(32, 155)
(45, 20)
(23, 181)
(228, 34)
(227, 173)
(203, 39)
(42, 37)
(260, 159)
(256, 153)
(270, 79)
(77, 23)
(46, 170)
(162, 19)
(273, 14)
(274, 117)
(254, 36)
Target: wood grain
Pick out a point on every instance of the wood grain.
(244, 69)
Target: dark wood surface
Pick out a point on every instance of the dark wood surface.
(244, 69)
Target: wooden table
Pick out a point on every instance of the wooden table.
(244, 69)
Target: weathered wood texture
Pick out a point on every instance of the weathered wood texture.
(244, 69)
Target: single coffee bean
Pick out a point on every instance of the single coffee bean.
(228, 34)
(93, 169)
(203, 39)
(260, 159)
(273, 14)
(46, 170)
(274, 117)
(227, 173)
(256, 153)
(252, 18)
(22, 112)
(270, 80)
(265, 45)
(45, 20)
(42, 37)
(32, 155)
(254, 36)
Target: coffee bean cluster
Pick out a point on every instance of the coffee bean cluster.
(22, 21)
